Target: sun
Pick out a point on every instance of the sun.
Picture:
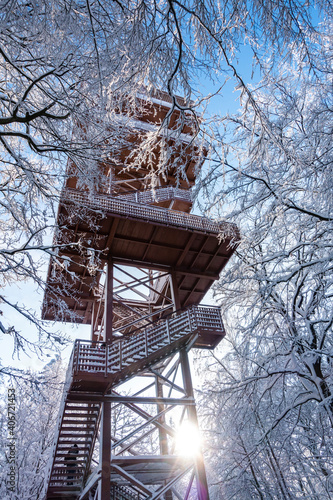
(188, 440)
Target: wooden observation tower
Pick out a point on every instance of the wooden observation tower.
(135, 265)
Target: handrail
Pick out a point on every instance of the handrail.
(147, 342)
(168, 315)
(98, 357)
(160, 194)
(151, 213)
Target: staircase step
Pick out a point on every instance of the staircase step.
(65, 469)
(63, 448)
(82, 410)
(83, 417)
(80, 430)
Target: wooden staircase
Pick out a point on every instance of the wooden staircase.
(95, 368)
(78, 425)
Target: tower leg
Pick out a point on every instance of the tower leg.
(94, 321)
(202, 486)
(108, 312)
(162, 434)
(105, 434)
(105, 453)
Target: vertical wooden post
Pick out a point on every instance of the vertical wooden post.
(175, 292)
(201, 479)
(160, 407)
(94, 320)
(108, 306)
(202, 486)
(163, 437)
(104, 492)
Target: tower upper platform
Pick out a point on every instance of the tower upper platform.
(153, 138)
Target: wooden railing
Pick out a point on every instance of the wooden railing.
(165, 193)
(148, 213)
(97, 357)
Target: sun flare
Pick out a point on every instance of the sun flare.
(188, 440)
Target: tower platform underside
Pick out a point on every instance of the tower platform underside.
(192, 248)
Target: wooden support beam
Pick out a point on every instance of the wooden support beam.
(186, 249)
(173, 386)
(202, 486)
(163, 437)
(148, 243)
(111, 235)
(100, 398)
(132, 480)
(160, 408)
(166, 268)
(104, 492)
(190, 292)
(175, 292)
(158, 494)
(94, 319)
(108, 309)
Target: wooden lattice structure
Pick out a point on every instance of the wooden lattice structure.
(137, 277)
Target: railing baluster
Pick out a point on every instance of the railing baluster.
(120, 354)
(146, 342)
(168, 330)
(77, 355)
(189, 319)
(195, 317)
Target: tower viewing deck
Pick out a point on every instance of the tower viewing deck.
(134, 264)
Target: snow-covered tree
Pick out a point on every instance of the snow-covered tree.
(34, 403)
(68, 68)
(273, 386)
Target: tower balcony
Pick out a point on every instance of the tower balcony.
(136, 208)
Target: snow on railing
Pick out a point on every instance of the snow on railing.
(148, 213)
(165, 193)
(97, 357)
